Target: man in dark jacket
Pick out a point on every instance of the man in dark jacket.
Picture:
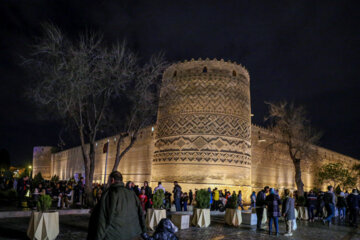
(353, 201)
(311, 204)
(177, 196)
(260, 205)
(118, 215)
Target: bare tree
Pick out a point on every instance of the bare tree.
(289, 127)
(143, 98)
(77, 80)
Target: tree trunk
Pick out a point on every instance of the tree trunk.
(89, 163)
(88, 178)
(119, 154)
(298, 180)
(88, 184)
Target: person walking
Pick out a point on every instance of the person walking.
(240, 201)
(311, 204)
(353, 201)
(177, 196)
(273, 202)
(341, 205)
(118, 215)
(288, 212)
(260, 205)
(253, 200)
(329, 199)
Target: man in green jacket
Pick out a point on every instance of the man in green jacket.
(118, 215)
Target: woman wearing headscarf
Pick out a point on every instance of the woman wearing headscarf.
(273, 202)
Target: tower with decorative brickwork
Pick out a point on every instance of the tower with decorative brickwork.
(203, 135)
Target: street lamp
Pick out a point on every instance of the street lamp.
(30, 169)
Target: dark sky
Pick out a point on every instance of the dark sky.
(301, 51)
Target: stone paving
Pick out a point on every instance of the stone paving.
(75, 227)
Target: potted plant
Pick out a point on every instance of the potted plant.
(157, 212)
(44, 224)
(201, 216)
(233, 214)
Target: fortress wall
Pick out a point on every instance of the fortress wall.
(135, 166)
(273, 166)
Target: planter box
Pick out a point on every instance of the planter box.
(233, 217)
(153, 217)
(201, 217)
(249, 218)
(182, 221)
(173, 208)
(43, 225)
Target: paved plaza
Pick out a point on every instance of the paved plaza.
(75, 227)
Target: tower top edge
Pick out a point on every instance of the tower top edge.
(209, 63)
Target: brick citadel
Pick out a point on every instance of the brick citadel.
(203, 138)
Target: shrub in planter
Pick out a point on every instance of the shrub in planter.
(158, 199)
(43, 224)
(155, 214)
(233, 214)
(201, 216)
(44, 203)
(202, 199)
(232, 202)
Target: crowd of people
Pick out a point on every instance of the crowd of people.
(321, 206)
(63, 193)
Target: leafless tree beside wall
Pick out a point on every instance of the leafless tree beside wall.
(143, 99)
(79, 81)
(290, 127)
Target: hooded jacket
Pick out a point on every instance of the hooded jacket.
(118, 215)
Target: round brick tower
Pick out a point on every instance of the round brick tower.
(203, 132)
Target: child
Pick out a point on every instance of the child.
(143, 199)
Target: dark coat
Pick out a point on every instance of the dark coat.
(353, 201)
(118, 216)
(177, 192)
(311, 200)
(341, 202)
(273, 201)
(288, 208)
(260, 199)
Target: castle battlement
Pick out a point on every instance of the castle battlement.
(213, 66)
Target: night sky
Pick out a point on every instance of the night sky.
(302, 51)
